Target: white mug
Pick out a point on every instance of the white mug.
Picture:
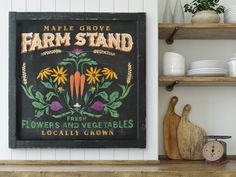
(173, 64)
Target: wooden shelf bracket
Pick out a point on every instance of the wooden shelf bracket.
(171, 87)
(170, 39)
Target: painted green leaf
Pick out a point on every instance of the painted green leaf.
(92, 63)
(38, 105)
(113, 113)
(82, 55)
(49, 96)
(103, 79)
(47, 84)
(47, 110)
(86, 98)
(30, 90)
(39, 113)
(85, 60)
(67, 98)
(64, 63)
(72, 55)
(114, 96)
(106, 109)
(126, 92)
(39, 96)
(116, 105)
(104, 96)
(26, 92)
(106, 85)
(123, 89)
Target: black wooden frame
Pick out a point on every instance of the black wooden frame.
(140, 142)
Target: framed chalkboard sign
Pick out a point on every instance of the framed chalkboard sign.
(77, 80)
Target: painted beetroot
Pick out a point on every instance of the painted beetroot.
(97, 106)
(77, 51)
(56, 106)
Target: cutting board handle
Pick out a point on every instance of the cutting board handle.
(186, 110)
(172, 104)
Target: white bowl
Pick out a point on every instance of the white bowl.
(232, 67)
(173, 64)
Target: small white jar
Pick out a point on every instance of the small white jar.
(173, 64)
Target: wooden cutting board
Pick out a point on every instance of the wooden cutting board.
(191, 138)
(170, 125)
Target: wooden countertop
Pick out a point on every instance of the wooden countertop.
(166, 168)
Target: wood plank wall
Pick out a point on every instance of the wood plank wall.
(149, 6)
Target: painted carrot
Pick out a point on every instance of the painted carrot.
(77, 83)
(82, 82)
(72, 84)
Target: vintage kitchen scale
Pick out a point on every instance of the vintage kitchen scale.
(215, 151)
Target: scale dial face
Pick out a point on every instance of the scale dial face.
(213, 151)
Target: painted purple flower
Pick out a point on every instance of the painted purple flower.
(77, 51)
(97, 106)
(56, 106)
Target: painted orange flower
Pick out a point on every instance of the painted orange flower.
(93, 75)
(109, 73)
(44, 73)
(59, 75)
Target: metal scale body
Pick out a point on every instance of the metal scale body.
(215, 150)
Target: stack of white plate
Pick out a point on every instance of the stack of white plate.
(230, 15)
(208, 68)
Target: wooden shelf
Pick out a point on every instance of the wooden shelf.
(198, 31)
(168, 168)
(198, 81)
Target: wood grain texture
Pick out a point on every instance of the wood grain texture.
(171, 168)
(198, 31)
(170, 126)
(191, 138)
(198, 81)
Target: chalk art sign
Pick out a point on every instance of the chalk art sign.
(77, 80)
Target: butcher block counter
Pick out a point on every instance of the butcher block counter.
(166, 168)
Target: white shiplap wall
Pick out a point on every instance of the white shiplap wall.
(149, 6)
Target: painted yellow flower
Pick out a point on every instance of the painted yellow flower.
(44, 73)
(109, 73)
(60, 75)
(93, 75)
(93, 88)
(60, 89)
